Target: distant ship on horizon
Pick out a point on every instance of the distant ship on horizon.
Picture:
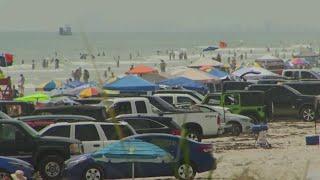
(65, 31)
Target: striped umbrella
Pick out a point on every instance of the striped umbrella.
(90, 92)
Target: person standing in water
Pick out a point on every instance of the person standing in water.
(33, 64)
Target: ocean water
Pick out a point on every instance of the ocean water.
(39, 45)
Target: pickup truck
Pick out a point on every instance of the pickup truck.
(197, 124)
(46, 154)
(283, 100)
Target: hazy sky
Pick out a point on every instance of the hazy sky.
(156, 15)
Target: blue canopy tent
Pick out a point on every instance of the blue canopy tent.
(218, 73)
(131, 83)
(185, 83)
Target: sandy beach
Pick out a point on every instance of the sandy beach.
(288, 158)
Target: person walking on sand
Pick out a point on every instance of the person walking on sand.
(56, 63)
(21, 84)
(86, 76)
(163, 66)
(118, 61)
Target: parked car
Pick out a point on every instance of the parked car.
(96, 112)
(193, 156)
(299, 74)
(46, 154)
(234, 123)
(234, 85)
(93, 135)
(41, 121)
(151, 124)
(246, 103)
(282, 100)
(197, 124)
(9, 166)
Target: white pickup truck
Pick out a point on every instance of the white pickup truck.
(197, 123)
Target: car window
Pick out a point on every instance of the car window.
(168, 99)
(307, 75)
(87, 132)
(185, 100)
(123, 108)
(141, 107)
(113, 132)
(213, 100)
(9, 132)
(139, 124)
(60, 131)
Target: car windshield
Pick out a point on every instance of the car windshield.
(30, 131)
(199, 95)
(161, 104)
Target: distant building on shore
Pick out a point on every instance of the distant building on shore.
(65, 31)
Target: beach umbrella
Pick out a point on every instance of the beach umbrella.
(132, 151)
(299, 62)
(49, 86)
(210, 48)
(90, 92)
(206, 62)
(142, 69)
(34, 98)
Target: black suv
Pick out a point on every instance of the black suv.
(283, 100)
(46, 154)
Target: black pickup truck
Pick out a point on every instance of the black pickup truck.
(46, 154)
(283, 100)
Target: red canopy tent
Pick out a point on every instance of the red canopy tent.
(142, 69)
(6, 59)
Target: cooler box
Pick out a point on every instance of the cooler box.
(259, 128)
(312, 140)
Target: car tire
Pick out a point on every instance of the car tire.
(194, 134)
(4, 174)
(185, 171)
(307, 113)
(51, 167)
(92, 173)
(236, 129)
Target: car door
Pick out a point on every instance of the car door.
(115, 132)
(283, 102)
(89, 136)
(168, 144)
(15, 142)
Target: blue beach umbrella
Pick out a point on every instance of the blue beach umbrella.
(132, 150)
